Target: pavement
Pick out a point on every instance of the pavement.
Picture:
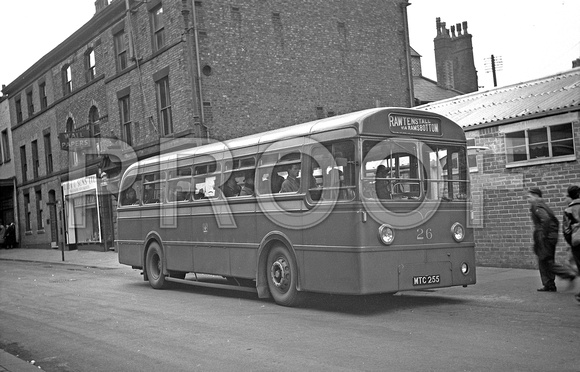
(109, 259)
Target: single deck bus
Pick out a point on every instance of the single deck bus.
(375, 201)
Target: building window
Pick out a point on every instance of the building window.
(95, 128)
(5, 146)
(30, 103)
(90, 65)
(27, 211)
(48, 153)
(70, 127)
(158, 28)
(42, 96)
(67, 79)
(537, 145)
(35, 161)
(39, 211)
(23, 163)
(164, 105)
(125, 117)
(18, 104)
(121, 50)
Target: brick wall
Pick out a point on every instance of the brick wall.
(503, 227)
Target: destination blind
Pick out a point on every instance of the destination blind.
(404, 124)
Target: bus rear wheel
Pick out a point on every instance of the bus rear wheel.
(282, 276)
(154, 266)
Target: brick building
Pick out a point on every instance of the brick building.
(529, 135)
(131, 79)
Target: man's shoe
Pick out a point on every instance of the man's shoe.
(547, 289)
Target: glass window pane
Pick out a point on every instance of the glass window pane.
(560, 132)
(515, 139)
(562, 148)
(537, 135)
(539, 151)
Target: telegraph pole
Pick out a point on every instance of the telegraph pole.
(496, 65)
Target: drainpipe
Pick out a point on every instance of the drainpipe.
(198, 64)
(408, 54)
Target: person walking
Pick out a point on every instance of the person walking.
(2, 234)
(570, 223)
(546, 229)
(10, 236)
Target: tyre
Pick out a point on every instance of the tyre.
(154, 266)
(282, 274)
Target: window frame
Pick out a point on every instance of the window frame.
(6, 146)
(23, 163)
(48, 153)
(549, 141)
(121, 55)
(30, 102)
(42, 95)
(90, 65)
(158, 27)
(35, 159)
(18, 108)
(125, 119)
(164, 111)
(67, 80)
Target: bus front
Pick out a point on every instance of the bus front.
(414, 186)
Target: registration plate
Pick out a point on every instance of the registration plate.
(426, 279)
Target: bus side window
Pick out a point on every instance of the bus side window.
(152, 188)
(179, 185)
(204, 180)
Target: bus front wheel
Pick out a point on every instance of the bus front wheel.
(282, 276)
(154, 266)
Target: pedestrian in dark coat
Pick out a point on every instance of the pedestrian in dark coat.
(571, 221)
(546, 229)
(10, 236)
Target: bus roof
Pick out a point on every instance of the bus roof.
(365, 122)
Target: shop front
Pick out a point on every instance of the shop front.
(87, 214)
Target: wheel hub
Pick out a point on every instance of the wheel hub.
(280, 273)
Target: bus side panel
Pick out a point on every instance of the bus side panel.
(130, 254)
(243, 262)
(179, 257)
(331, 271)
(129, 238)
(333, 265)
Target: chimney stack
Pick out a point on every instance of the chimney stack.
(100, 5)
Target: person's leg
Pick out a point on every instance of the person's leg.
(546, 274)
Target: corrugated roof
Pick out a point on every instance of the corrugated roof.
(544, 95)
